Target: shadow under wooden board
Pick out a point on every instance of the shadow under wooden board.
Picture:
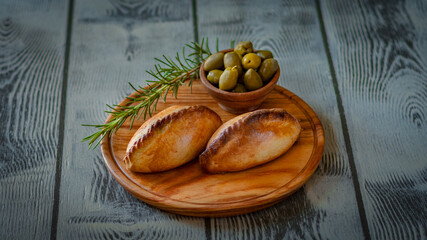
(188, 190)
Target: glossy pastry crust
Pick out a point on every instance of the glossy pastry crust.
(171, 138)
(249, 140)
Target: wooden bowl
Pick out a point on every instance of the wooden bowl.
(238, 103)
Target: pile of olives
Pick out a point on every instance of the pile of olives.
(241, 70)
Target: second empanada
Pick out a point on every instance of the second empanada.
(249, 140)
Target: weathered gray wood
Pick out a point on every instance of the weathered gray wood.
(380, 56)
(32, 40)
(326, 207)
(113, 43)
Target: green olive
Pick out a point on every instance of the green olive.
(252, 80)
(228, 79)
(240, 88)
(240, 56)
(251, 60)
(232, 59)
(214, 61)
(268, 69)
(264, 54)
(214, 75)
(244, 47)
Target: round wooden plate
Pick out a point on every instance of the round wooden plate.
(188, 190)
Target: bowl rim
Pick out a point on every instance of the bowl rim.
(261, 91)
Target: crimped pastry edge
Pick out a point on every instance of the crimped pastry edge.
(158, 124)
(228, 132)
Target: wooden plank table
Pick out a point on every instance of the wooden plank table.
(361, 66)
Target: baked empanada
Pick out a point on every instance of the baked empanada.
(171, 138)
(249, 140)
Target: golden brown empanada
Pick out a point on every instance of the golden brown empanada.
(249, 140)
(171, 138)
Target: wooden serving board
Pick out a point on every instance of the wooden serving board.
(188, 190)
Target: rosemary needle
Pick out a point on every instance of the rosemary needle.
(169, 74)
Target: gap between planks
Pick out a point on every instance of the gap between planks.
(343, 119)
(58, 167)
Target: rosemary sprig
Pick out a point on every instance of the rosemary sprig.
(169, 75)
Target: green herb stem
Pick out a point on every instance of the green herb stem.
(169, 75)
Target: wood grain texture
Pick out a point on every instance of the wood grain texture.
(379, 51)
(32, 38)
(113, 43)
(189, 190)
(326, 207)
